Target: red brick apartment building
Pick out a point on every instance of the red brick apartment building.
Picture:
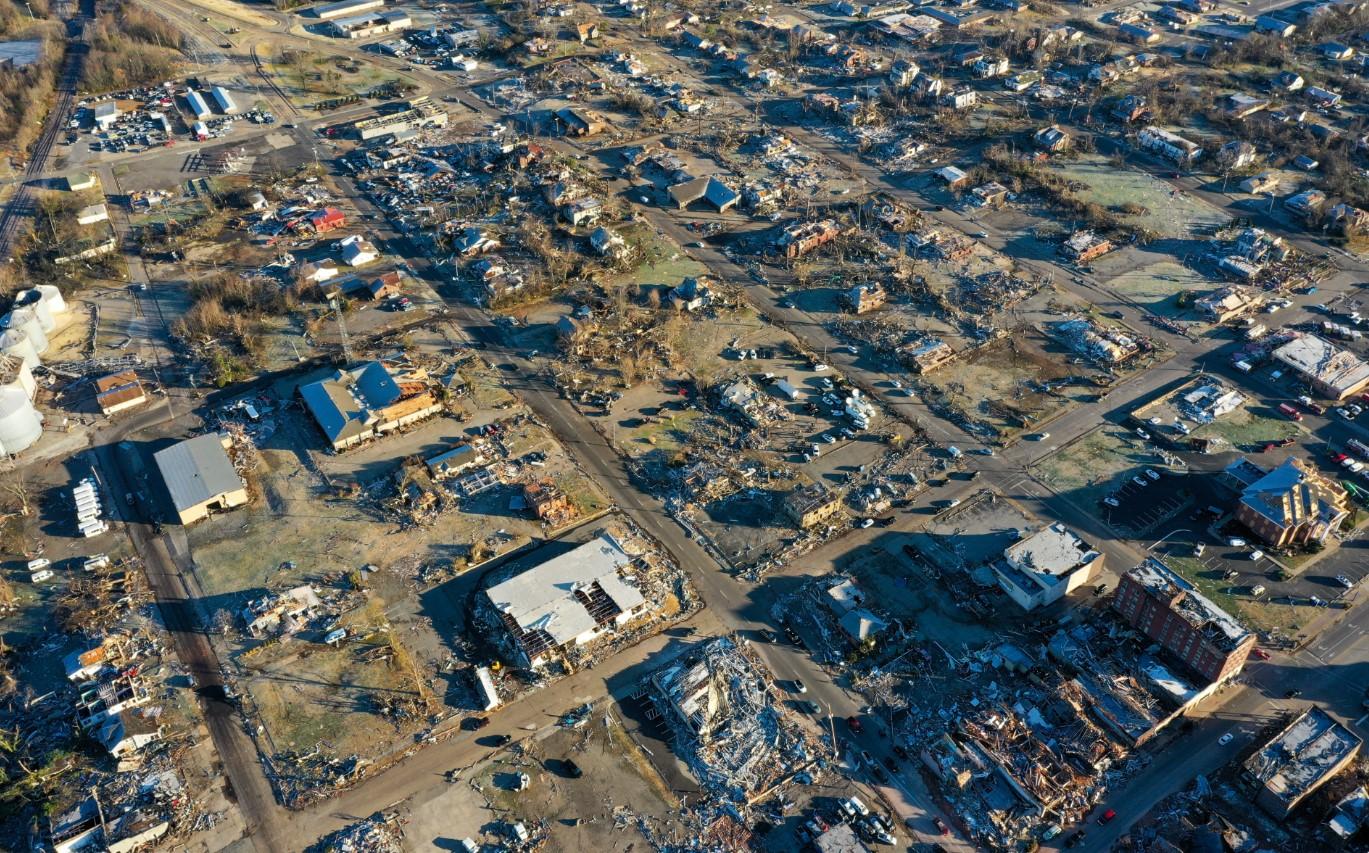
(1166, 608)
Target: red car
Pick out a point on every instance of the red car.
(1260, 653)
(1107, 816)
(854, 724)
(941, 826)
(1339, 457)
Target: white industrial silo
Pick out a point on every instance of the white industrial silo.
(33, 300)
(27, 319)
(15, 343)
(20, 423)
(14, 373)
(52, 297)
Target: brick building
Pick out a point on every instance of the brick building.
(1166, 608)
(1291, 504)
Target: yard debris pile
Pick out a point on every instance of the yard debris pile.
(729, 725)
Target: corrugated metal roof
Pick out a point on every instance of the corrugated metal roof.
(196, 470)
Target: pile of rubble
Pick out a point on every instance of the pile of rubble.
(729, 725)
(380, 833)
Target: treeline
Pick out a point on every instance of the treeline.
(130, 46)
(26, 93)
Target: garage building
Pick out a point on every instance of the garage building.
(200, 477)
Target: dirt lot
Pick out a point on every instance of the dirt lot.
(999, 384)
(1096, 465)
(619, 804)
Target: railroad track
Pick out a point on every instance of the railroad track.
(271, 81)
(20, 206)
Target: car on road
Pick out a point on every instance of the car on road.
(854, 724)
(1294, 693)
(474, 724)
(1225, 739)
(793, 636)
(980, 235)
(901, 752)
(768, 635)
(1260, 653)
(1040, 436)
(891, 764)
(798, 686)
(807, 706)
(1111, 501)
(941, 826)
(500, 740)
(951, 504)
(1145, 436)
(865, 522)
(1076, 839)
(1106, 817)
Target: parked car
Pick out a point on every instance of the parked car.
(854, 724)
(941, 826)
(1106, 817)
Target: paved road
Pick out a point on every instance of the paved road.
(1331, 673)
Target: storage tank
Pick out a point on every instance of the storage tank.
(15, 343)
(14, 373)
(33, 300)
(57, 305)
(20, 423)
(27, 319)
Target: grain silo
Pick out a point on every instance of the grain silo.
(15, 343)
(27, 319)
(53, 297)
(33, 300)
(14, 373)
(20, 423)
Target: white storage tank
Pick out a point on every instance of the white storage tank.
(15, 343)
(33, 300)
(53, 298)
(14, 373)
(20, 423)
(27, 319)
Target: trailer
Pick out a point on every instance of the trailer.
(1290, 411)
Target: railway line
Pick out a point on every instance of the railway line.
(20, 206)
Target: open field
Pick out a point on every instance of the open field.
(1156, 286)
(1168, 212)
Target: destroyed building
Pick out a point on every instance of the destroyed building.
(1299, 760)
(1045, 566)
(568, 600)
(548, 502)
(730, 729)
(800, 239)
(1201, 401)
(811, 505)
(1169, 610)
(362, 402)
(1084, 246)
(1105, 344)
(1291, 504)
(1332, 372)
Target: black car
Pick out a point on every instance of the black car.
(900, 752)
(572, 769)
(1292, 694)
(499, 740)
(1076, 839)
(472, 724)
(793, 636)
(768, 636)
(891, 764)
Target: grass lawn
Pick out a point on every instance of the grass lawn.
(1260, 614)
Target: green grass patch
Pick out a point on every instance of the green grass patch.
(1260, 614)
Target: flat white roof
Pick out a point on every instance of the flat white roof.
(543, 597)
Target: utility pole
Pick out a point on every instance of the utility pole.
(342, 329)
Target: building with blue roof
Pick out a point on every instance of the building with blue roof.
(357, 404)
